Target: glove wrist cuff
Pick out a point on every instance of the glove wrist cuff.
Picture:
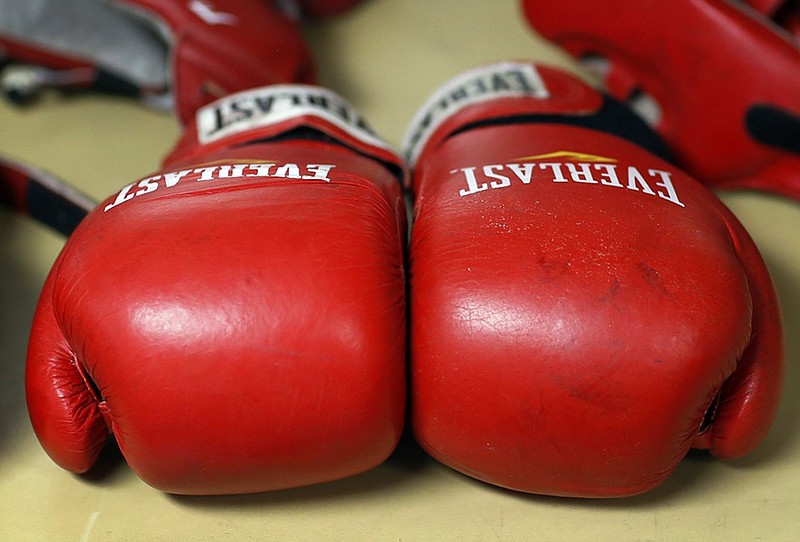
(476, 86)
(271, 111)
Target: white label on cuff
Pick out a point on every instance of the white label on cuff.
(274, 104)
(506, 79)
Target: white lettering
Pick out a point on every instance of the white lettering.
(311, 172)
(289, 170)
(320, 171)
(123, 196)
(497, 176)
(277, 104)
(231, 172)
(666, 183)
(635, 178)
(555, 167)
(206, 173)
(506, 79)
(147, 185)
(501, 180)
(260, 170)
(580, 173)
(608, 174)
(172, 178)
(472, 182)
(522, 171)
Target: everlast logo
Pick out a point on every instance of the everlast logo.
(272, 105)
(506, 79)
(572, 167)
(313, 172)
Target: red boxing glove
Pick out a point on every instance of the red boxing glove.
(38, 194)
(582, 312)
(224, 46)
(211, 48)
(237, 320)
(726, 82)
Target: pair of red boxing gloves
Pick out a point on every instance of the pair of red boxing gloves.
(582, 312)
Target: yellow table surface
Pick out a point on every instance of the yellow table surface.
(386, 57)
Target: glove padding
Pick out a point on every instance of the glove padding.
(170, 53)
(719, 82)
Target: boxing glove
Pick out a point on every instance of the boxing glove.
(720, 83)
(173, 53)
(237, 320)
(42, 196)
(582, 311)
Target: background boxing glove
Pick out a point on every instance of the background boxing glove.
(168, 52)
(582, 312)
(720, 83)
(35, 192)
(314, 9)
(236, 320)
(785, 13)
